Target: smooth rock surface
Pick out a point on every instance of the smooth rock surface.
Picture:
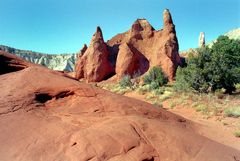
(46, 116)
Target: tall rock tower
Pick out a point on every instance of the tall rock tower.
(93, 65)
(201, 41)
(168, 55)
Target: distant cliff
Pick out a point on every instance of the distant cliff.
(234, 34)
(63, 62)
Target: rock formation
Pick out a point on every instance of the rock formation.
(142, 47)
(167, 55)
(94, 64)
(201, 41)
(45, 116)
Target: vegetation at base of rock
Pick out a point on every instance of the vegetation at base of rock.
(212, 69)
(126, 81)
(155, 78)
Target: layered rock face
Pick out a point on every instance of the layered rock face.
(46, 116)
(141, 48)
(60, 62)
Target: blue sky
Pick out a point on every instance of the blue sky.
(63, 26)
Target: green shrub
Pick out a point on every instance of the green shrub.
(203, 109)
(155, 78)
(238, 86)
(181, 83)
(159, 91)
(212, 69)
(237, 133)
(126, 81)
(232, 112)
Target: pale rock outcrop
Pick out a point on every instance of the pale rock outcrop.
(201, 41)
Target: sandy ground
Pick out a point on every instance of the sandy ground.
(210, 128)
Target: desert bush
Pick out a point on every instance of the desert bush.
(212, 69)
(232, 112)
(155, 78)
(238, 86)
(237, 133)
(126, 81)
(159, 91)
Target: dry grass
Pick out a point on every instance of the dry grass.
(217, 106)
(116, 88)
(232, 111)
(207, 104)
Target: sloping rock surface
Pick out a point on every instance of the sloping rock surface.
(46, 116)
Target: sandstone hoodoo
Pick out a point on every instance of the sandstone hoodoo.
(94, 65)
(139, 49)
